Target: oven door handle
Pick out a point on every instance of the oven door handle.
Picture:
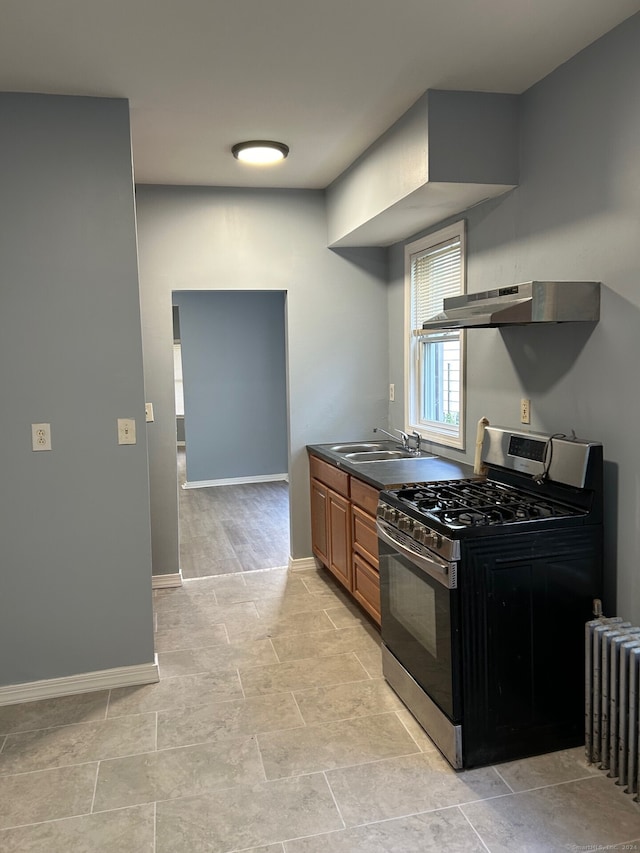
(441, 571)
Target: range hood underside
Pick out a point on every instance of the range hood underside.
(530, 303)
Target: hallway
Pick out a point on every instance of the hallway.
(227, 529)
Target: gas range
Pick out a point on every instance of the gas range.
(485, 588)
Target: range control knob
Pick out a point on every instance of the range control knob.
(406, 523)
(390, 514)
(419, 532)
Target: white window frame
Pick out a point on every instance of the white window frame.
(178, 382)
(432, 431)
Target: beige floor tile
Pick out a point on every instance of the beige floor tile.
(177, 692)
(45, 713)
(342, 701)
(330, 745)
(270, 848)
(346, 616)
(250, 586)
(562, 766)
(78, 743)
(422, 739)
(216, 658)
(296, 675)
(183, 772)
(371, 660)
(318, 580)
(187, 637)
(291, 624)
(573, 816)
(46, 795)
(221, 721)
(326, 643)
(407, 785)
(435, 832)
(246, 817)
(194, 614)
(121, 831)
(273, 606)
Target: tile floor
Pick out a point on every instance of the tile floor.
(249, 524)
(272, 731)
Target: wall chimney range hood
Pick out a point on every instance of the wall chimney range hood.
(528, 303)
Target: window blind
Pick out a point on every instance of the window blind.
(435, 275)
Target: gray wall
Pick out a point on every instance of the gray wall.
(75, 574)
(218, 238)
(234, 372)
(574, 216)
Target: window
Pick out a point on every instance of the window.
(434, 359)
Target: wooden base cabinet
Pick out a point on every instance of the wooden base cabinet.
(320, 520)
(366, 580)
(343, 531)
(340, 538)
(366, 586)
(331, 519)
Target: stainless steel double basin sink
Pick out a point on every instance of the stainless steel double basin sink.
(372, 451)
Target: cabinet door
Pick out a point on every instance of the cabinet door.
(365, 536)
(320, 521)
(366, 586)
(340, 537)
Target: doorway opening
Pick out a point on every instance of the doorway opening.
(231, 431)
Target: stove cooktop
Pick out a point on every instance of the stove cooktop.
(460, 504)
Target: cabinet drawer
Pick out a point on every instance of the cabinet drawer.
(330, 475)
(364, 535)
(364, 495)
(366, 587)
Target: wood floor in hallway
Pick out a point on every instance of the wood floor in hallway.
(227, 529)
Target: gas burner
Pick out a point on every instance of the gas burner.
(480, 517)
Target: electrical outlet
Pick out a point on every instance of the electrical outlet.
(126, 431)
(148, 412)
(392, 392)
(41, 436)
(525, 411)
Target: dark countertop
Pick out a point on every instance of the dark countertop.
(395, 472)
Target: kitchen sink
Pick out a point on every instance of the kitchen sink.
(377, 455)
(360, 447)
(385, 456)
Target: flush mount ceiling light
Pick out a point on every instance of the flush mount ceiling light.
(260, 151)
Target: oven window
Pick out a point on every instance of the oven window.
(420, 627)
(413, 604)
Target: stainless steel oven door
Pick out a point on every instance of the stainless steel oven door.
(420, 616)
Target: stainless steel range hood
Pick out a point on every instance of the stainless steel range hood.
(521, 304)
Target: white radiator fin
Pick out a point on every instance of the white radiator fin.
(612, 654)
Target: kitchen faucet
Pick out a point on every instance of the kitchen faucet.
(406, 439)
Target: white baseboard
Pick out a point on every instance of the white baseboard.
(234, 481)
(166, 581)
(86, 682)
(303, 564)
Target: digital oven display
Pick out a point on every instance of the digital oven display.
(527, 448)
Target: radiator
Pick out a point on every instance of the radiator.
(612, 699)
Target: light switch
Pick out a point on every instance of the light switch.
(126, 431)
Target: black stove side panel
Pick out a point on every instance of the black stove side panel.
(525, 600)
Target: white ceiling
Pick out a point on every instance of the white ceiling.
(325, 76)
